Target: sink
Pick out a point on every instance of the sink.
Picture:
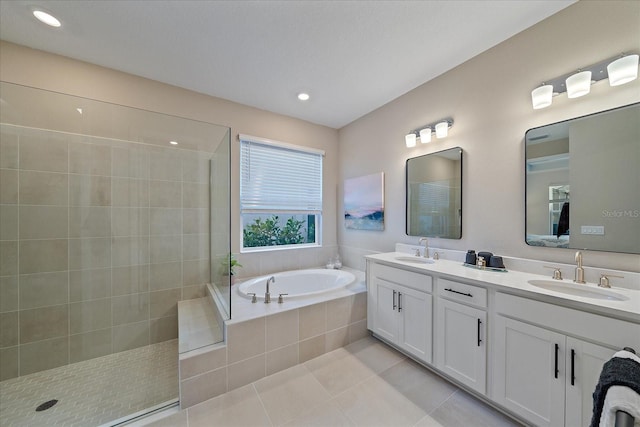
(415, 259)
(578, 290)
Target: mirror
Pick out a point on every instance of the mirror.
(582, 180)
(434, 194)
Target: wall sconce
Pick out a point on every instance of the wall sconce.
(619, 70)
(441, 128)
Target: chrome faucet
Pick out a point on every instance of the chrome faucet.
(267, 294)
(579, 272)
(426, 246)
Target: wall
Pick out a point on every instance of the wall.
(25, 66)
(489, 99)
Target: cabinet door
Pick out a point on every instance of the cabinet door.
(584, 363)
(529, 377)
(385, 322)
(461, 343)
(415, 310)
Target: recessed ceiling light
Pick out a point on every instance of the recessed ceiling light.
(173, 142)
(46, 18)
(303, 96)
(79, 110)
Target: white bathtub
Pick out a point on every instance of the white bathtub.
(298, 283)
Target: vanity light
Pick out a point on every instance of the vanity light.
(619, 70)
(623, 70)
(46, 18)
(303, 96)
(441, 128)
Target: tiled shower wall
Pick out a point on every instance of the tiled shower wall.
(99, 239)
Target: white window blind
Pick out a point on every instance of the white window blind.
(279, 177)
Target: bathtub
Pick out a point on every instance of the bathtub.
(298, 283)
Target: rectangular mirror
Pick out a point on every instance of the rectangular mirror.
(434, 194)
(582, 178)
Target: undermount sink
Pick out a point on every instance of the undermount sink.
(415, 259)
(578, 290)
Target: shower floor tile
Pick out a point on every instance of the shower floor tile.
(93, 392)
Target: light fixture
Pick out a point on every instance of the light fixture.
(173, 142)
(619, 70)
(303, 96)
(46, 18)
(623, 70)
(441, 128)
(578, 84)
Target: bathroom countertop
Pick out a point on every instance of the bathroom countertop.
(517, 282)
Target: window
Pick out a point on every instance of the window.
(280, 194)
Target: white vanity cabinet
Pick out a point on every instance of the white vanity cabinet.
(400, 309)
(461, 333)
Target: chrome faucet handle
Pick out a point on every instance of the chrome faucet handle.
(417, 252)
(436, 256)
(254, 299)
(557, 274)
(280, 299)
(604, 280)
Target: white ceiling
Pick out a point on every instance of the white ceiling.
(350, 56)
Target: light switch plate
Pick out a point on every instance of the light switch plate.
(593, 230)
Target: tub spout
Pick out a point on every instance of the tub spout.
(267, 294)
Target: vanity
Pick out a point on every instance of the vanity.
(526, 343)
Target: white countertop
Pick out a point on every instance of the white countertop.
(516, 282)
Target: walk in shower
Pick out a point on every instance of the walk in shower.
(109, 216)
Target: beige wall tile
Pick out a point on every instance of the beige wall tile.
(130, 336)
(336, 338)
(338, 313)
(195, 291)
(358, 307)
(44, 323)
(130, 221)
(43, 188)
(9, 329)
(44, 153)
(44, 222)
(130, 280)
(195, 272)
(165, 194)
(31, 360)
(282, 329)
(89, 316)
(86, 221)
(195, 195)
(195, 220)
(86, 285)
(163, 329)
(310, 348)
(128, 251)
(195, 246)
(358, 330)
(196, 363)
(8, 222)
(165, 249)
(128, 192)
(89, 345)
(130, 308)
(246, 339)
(9, 293)
(313, 320)
(167, 275)
(282, 358)
(164, 303)
(246, 372)
(8, 258)
(165, 165)
(9, 362)
(90, 253)
(89, 159)
(130, 162)
(165, 221)
(89, 190)
(203, 387)
(43, 289)
(38, 256)
(195, 168)
(8, 186)
(8, 150)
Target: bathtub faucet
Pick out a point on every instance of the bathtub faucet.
(267, 294)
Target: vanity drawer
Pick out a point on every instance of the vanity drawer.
(467, 294)
(421, 282)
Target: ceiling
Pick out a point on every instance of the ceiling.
(350, 56)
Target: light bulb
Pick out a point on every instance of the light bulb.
(541, 96)
(623, 70)
(442, 129)
(425, 135)
(410, 140)
(579, 84)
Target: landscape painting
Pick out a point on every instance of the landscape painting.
(364, 202)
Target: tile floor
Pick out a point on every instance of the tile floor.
(364, 384)
(94, 391)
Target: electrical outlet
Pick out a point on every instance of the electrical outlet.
(593, 230)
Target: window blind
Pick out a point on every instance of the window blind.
(279, 177)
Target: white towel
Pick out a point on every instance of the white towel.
(620, 398)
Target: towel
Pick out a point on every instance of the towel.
(563, 221)
(623, 369)
(620, 398)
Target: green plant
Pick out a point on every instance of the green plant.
(228, 265)
(261, 233)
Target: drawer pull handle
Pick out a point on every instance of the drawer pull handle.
(394, 301)
(573, 366)
(556, 371)
(479, 326)
(399, 302)
(458, 292)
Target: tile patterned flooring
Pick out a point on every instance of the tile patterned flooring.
(94, 391)
(364, 384)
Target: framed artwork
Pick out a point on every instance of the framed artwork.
(364, 202)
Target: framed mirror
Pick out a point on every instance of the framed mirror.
(434, 194)
(582, 179)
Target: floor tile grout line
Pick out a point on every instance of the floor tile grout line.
(264, 408)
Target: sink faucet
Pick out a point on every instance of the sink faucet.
(267, 294)
(426, 246)
(579, 273)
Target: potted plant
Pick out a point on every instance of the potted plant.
(228, 267)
